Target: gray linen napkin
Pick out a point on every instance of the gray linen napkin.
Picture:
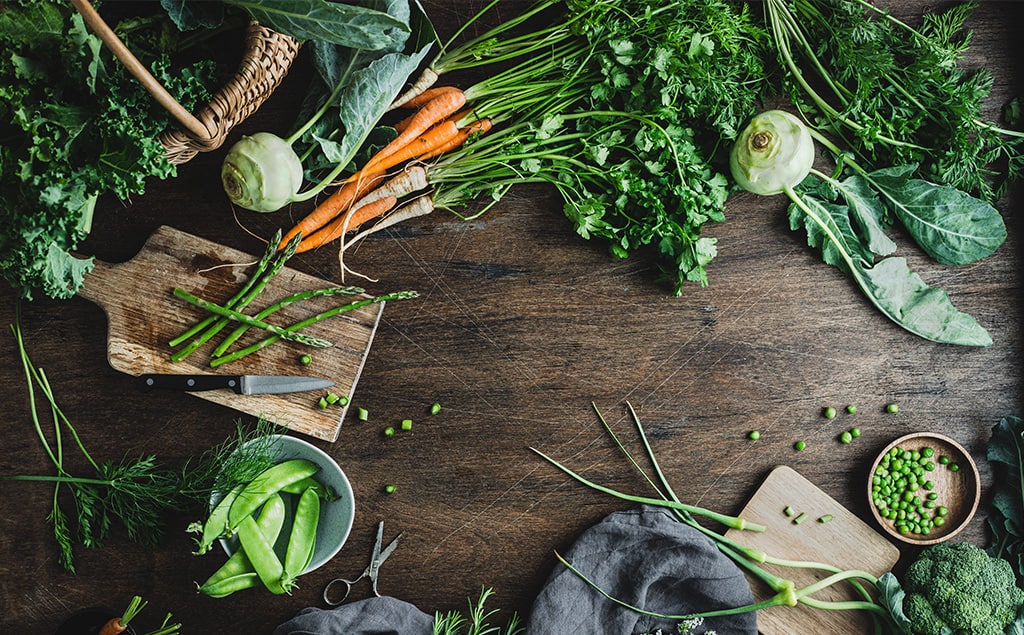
(647, 558)
(643, 556)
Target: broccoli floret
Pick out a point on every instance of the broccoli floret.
(962, 589)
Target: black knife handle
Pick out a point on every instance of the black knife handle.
(190, 382)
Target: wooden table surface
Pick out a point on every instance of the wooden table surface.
(520, 326)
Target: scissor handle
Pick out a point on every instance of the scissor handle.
(327, 591)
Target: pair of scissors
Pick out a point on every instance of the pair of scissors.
(371, 571)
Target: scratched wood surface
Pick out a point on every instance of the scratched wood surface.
(520, 327)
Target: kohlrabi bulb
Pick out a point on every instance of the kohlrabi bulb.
(261, 173)
(775, 151)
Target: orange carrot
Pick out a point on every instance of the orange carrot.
(427, 142)
(436, 110)
(335, 204)
(354, 218)
(480, 126)
(113, 627)
(427, 95)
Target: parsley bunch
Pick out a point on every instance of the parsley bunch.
(73, 125)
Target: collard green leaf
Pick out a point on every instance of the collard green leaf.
(952, 226)
(325, 21)
(189, 15)
(1005, 451)
(891, 286)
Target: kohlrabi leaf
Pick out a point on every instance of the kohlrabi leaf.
(325, 21)
(952, 226)
(891, 286)
(867, 214)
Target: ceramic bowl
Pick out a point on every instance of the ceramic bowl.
(958, 490)
(336, 516)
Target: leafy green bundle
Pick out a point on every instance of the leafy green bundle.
(74, 125)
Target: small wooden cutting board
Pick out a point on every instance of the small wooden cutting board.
(143, 316)
(845, 541)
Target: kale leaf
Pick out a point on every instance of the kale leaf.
(74, 126)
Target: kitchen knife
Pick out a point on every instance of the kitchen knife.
(241, 384)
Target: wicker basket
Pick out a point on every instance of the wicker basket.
(268, 57)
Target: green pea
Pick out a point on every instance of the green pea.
(845, 437)
(953, 467)
(829, 412)
(939, 522)
(943, 460)
(855, 432)
(852, 409)
(892, 408)
(754, 435)
(941, 511)
(799, 445)
(927, 452)
(389, 489)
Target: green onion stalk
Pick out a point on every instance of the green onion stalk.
(784, 591)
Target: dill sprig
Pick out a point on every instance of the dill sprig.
(136, 492)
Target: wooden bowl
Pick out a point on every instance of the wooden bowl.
(958, 491)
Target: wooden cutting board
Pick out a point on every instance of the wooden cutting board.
(846, 542)
(143, 315)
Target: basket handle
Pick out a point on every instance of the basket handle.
(139, 71)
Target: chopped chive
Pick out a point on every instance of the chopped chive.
(827, 518)
(789, 512)
(801, 517)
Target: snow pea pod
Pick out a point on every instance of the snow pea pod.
(261, 554)
(302, 539)
(270, 521)
(216, 524)
(326, 492)
(229, 585)
(268, 483)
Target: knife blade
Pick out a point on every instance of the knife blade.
(241, 384)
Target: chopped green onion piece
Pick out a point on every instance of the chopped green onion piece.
(389, 431)
(389, 489)
(827, 518)
(322, 403)
(363, 414)
(306, 360)
(801, 517)
(332, 398)
(789, 511)
(436, 408)
(407, 424)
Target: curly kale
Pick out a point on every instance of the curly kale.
(959, 589)
(73, 125)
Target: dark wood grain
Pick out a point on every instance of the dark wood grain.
(520, 327)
